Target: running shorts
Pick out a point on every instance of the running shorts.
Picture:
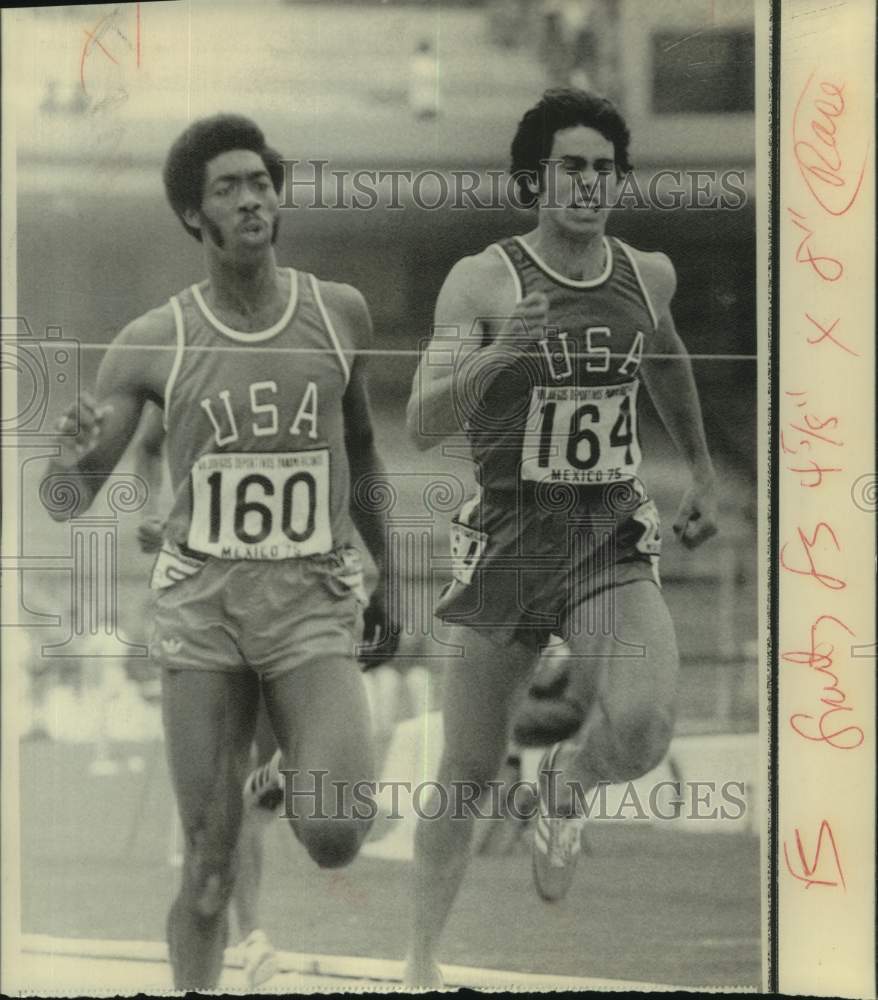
(522, 563)
(236, 615)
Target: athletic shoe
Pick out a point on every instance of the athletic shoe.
(557, 841)
(264, 787)
(260, 961)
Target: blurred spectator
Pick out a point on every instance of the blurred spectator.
(98, 698)
(50, 104)
(147, 676)
(579, 45)
(78, 103)
(57, 100)
(37, 681)
(567, 45)
(424, 81)
(508, 22)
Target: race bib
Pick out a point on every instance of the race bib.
(650, 542)
(579, 434)
(171, 566)
(467, 545)
(261, 505)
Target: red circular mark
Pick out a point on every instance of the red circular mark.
(92, 39)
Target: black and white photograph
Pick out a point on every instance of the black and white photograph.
(385, 496)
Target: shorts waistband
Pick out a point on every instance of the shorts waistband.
(623, 494)
(335, 553)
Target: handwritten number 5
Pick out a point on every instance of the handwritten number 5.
(809, 870)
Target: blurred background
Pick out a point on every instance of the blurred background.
(103, 91)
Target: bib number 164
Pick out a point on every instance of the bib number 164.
(581, 435)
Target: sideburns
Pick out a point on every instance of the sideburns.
(212, 229)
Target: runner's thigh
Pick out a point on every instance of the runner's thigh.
(319, 713)
(209, 717)
(637, 665)
(479, 690)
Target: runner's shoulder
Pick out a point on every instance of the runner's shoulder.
(657, 272)
(141, 355)
(348, 304)
(156, 328)
(483, 280)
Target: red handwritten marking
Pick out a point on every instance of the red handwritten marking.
(827, 335)
(815, 469)
(826, 579)
(87, 47)
(824, 166)
(807, 871)
(811, 430)
(804, 254)
(790, 451)
(90, 37)
(819, 658)
(816, 424)
(93, 38)
(812, 425)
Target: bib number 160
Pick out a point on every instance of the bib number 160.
(261, 506)
(247, 509)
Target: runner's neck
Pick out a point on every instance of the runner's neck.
(578, 259)
(246, 297)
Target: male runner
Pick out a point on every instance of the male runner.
(562, 530)
(265, 403)
(259, 957)
(262, 795)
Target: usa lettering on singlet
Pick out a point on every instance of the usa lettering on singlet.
(566, 409)
(255, 436)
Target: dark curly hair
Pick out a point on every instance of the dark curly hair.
(206, 138)
(560, 109)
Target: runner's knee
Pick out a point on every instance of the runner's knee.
(639, 739)
(332, 843)
(209, 876)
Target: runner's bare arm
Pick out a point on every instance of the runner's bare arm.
(667, 373)
(148, 455)
(94, 431)
(363, 459)
(432, 413)
(368, 480)
(148, 463)
(477, 291)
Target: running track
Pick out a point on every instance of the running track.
(647, 905)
